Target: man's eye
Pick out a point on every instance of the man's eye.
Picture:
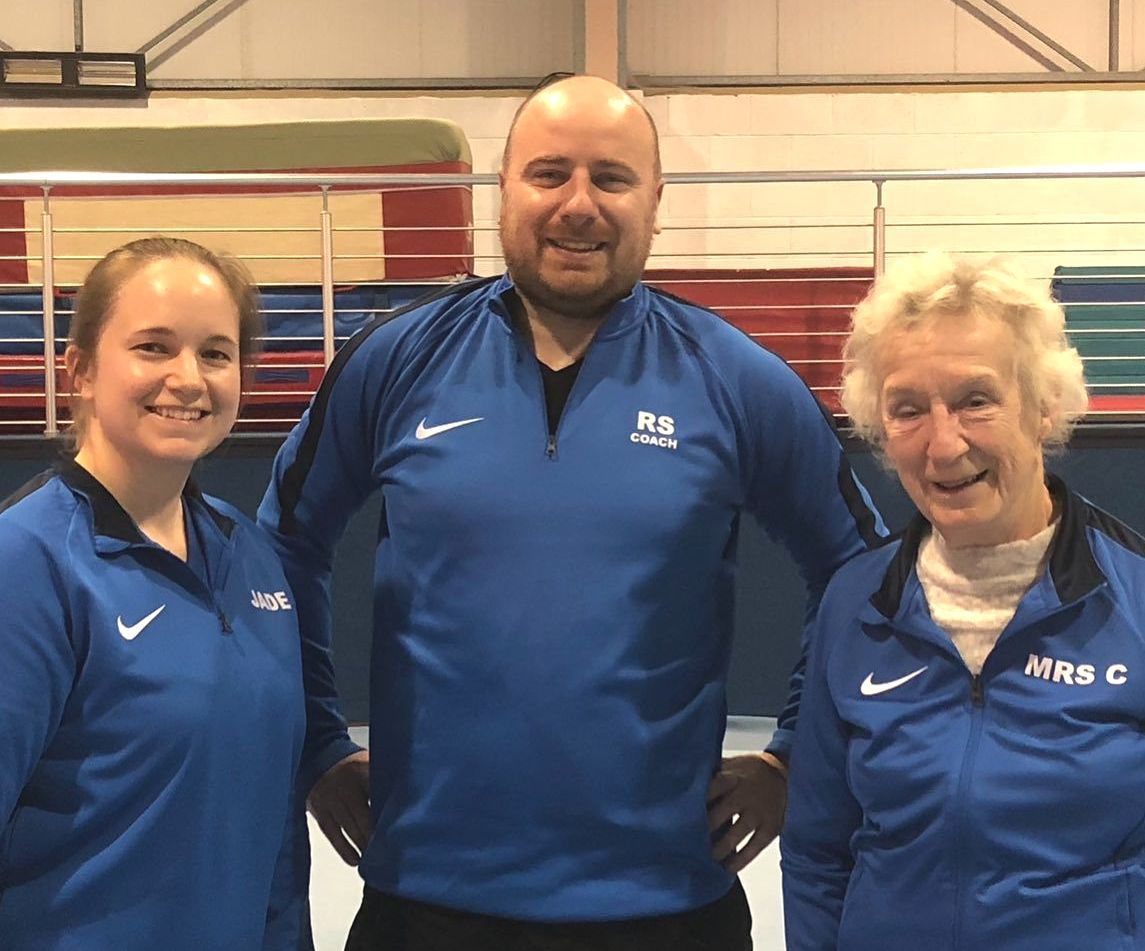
(549, 176)
(150, 346)
(611, 183)
(217, 356)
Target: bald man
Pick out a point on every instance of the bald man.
(564, 455)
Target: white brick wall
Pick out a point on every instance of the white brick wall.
(792, 130)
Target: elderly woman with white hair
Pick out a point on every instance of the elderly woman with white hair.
(969, 765)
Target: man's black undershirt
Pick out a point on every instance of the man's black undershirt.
(558, 385)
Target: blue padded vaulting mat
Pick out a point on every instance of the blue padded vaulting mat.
(293, 315)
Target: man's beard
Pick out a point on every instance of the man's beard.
(589, 303)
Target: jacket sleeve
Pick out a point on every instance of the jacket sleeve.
(806, 496)
(39, 660)
(822, 815)
(321, 476)
(288, 913)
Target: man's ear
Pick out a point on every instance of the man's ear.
(656, 218)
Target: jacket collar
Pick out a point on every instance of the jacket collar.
(1073, 568)
(108, 516)
(626, 313)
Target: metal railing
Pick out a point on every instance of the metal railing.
(750, 233)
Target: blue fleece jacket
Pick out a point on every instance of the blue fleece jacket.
(151, 720)
(553, 615)
(931, 808)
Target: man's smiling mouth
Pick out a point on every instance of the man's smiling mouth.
(577, 247)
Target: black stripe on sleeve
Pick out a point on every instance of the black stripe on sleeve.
(865, 521)
(36, 482)
(1121, 533)
(293, 480)
(864, 517)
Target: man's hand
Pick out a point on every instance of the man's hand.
(340, 804)
(750, 793)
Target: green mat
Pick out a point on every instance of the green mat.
(283, 146)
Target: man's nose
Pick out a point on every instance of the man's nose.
(580, 197)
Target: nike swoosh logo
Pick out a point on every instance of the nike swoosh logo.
(131, 631)
(424, 431)
(871, 689)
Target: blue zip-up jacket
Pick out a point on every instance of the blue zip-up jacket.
(150, 729)
(933, 809)
(553, 617)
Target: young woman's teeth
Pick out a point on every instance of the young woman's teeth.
(172, 412)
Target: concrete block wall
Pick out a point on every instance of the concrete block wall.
(807, 223)
(845, 130)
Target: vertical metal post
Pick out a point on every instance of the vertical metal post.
(77, 23)
(622, 75)
(602, 21)
(880, 231)
(1114, 35)
(327, 279)
(580, 43)
(48, 286)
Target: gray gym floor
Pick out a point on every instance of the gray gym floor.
(335, 888)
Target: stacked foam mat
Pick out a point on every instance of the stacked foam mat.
(390, 243)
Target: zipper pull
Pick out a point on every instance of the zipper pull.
(977, 691)
(551, 446)
(223, 622)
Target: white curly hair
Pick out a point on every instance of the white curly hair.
(936, 283)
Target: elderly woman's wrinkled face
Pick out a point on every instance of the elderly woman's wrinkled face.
(968, 452)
